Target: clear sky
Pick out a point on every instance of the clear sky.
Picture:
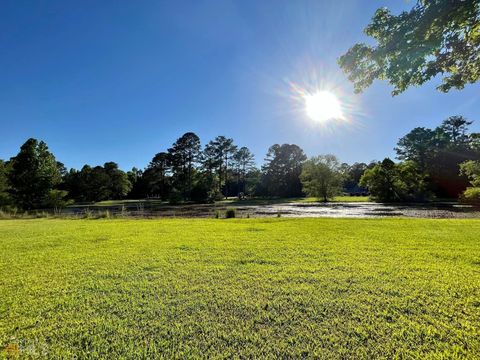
(121, 80)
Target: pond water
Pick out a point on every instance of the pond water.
(350, 210)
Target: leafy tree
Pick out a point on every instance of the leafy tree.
(157, 176)
(243, 162)
(218, 157)
(439, 152)
(4, 186)
(455, 130)
(118, 183)
(321, 177)
(183, 156)
(97, 183)
(417, 145)
(139, 188)
(57, 199)
(282, 169)
(471, 169)
(351, 177)
(474, 142)
(412, 182)
(392, 182)
(436, 37)
(33, 175)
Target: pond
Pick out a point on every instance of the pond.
(314, 209)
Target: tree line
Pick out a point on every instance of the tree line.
(434, 163)
(184, 172)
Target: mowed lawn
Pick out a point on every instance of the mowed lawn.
(265, 288)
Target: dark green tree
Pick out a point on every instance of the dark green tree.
(392, 182)
(183, 156)
(436, 37)
(439, 152)
(418, 146)
(218, 157)
(33, 175)
(243, 163)
(282, 169)
(455, 131)
(351, 177)
(157, 176)
(5, 198)
(99, 183)
(118, 182)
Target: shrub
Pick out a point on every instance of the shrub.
(471, 196)
(87, 213)
(214, 195)
(230, 213)
(217, 214)
(175, 198)
(104, 214)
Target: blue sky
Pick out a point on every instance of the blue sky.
(121, 80)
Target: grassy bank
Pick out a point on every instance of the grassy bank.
(329, 288)
(232, 200)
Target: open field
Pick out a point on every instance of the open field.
(328, 288)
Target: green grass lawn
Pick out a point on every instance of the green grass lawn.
(265, 288)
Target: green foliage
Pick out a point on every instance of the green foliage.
(246, 288)
(439, 152)
(392, 182)
(351, 177)
(471, 196)
(34, 173)
(281, 171)
(5, 198)
(471, 169)
(57, 199)
(218, 159)
(321, 177)
(436, 37)
(243, 165)
(175, 197)
(417, 146)
(183, 155)
(98, 183)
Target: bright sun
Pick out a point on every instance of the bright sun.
(322, 106)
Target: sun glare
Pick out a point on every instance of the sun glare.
(322, 106)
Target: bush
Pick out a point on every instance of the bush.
(175, 198)
(104, 215)
(214, 195)
(230, 214)
(200, 193)
(87, 213)
(471, 196)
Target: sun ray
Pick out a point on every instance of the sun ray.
(323, 106)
